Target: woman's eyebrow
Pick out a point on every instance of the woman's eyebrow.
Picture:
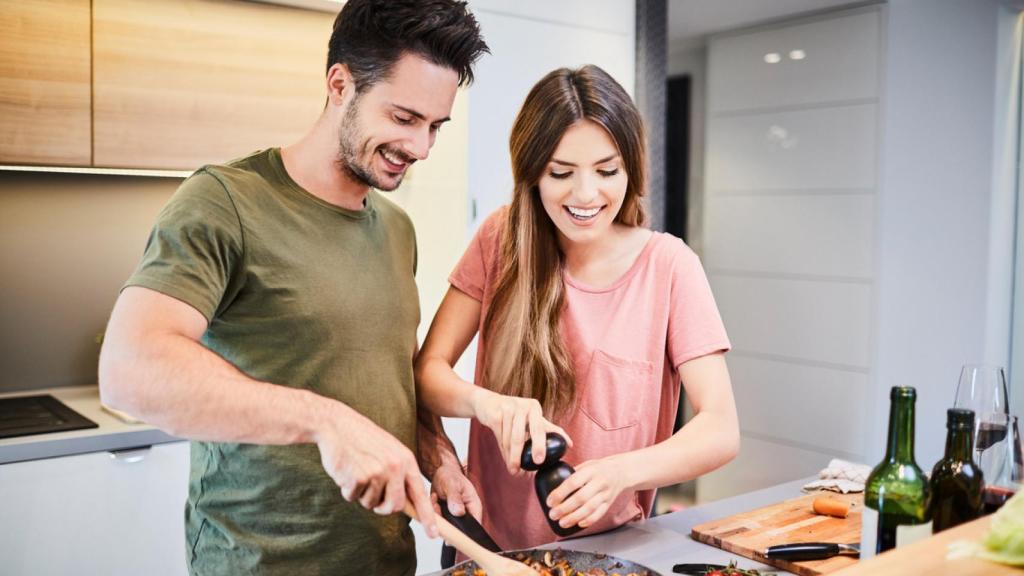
(601, 161)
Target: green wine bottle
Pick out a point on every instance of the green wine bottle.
(896, 495)
(956, 480)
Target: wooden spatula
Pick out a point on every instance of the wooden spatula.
(491, 563)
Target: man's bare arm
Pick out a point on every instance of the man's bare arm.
(153, 366)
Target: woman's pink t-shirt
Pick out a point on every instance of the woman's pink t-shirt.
(626, 341)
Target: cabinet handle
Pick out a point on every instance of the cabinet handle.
(130, 455)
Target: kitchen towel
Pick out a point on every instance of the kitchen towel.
(841, 476)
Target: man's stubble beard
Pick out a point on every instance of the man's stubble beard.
(349, 137)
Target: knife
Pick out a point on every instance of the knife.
(470, 527)
(697, 569)
(811, 551)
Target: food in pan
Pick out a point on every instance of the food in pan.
(555, 565)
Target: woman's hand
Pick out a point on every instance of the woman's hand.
(451, 484)
(585, 497)
(511, 419)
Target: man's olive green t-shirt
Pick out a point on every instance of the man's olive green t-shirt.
(301, 293)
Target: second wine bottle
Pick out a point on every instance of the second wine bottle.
(956, 480)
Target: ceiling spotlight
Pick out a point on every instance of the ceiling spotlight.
(797, 54)
(772, 58)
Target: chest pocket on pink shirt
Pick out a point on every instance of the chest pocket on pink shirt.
(616, 390)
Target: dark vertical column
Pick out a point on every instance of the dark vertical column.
(677, 155)
(651, 64)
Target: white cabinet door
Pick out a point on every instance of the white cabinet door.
(792, 148)
(97, 513)
(817, 149)
(830, 60)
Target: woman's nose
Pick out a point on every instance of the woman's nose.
(587, 190)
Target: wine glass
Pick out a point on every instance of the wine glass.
(983, 389)
(1005, 470)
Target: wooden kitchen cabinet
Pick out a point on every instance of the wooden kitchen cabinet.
(182, 83)
(96, 513)
(45, 83)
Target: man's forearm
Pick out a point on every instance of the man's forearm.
(177, 384)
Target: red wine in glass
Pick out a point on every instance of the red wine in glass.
(994, 497)
(989, 433)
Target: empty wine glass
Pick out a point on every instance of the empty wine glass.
(983, 389)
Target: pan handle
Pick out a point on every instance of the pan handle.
(468, 526)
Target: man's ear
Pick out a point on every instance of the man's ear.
(340, 84)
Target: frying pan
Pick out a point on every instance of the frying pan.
(579, 560)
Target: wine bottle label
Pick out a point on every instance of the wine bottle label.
(868, 533)
(910, 533)
(877, 537)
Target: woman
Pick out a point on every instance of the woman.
(588, 321)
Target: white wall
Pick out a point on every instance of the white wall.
(942, 296)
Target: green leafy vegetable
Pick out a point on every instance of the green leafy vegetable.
(1005, 540)
(732, 570)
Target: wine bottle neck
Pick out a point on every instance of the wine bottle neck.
(959, 443)
(901, 431)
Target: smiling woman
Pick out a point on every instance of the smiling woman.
(562, 146)
(588, 322)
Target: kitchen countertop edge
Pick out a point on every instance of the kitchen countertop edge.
(111, 435)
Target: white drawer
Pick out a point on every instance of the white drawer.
(822, 322)
(802, 150)
(840, 62)
(765, 391)
(760, 464)
(96, 514)
(816, 234)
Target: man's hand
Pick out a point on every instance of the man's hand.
(452, 485)
(511, 419)
(371, 466)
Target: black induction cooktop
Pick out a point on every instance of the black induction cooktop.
(27, 415)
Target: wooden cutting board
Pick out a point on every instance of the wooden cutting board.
(750, 533)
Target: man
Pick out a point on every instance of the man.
(273, 317)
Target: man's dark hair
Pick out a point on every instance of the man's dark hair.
(371, 35)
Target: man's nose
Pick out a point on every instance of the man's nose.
(419, 145)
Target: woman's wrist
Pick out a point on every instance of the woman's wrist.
(632, 470)
(477, 397)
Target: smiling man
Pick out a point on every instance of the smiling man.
(273, 317)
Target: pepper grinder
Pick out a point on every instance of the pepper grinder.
(550, 474)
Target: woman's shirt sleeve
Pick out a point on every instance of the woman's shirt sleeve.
(476, 269)
(695, 327)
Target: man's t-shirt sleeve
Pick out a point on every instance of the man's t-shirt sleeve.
(195, 247)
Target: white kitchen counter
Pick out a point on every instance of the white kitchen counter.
(663, 541)
(112, 434)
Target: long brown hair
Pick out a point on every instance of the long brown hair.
(526, 356)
